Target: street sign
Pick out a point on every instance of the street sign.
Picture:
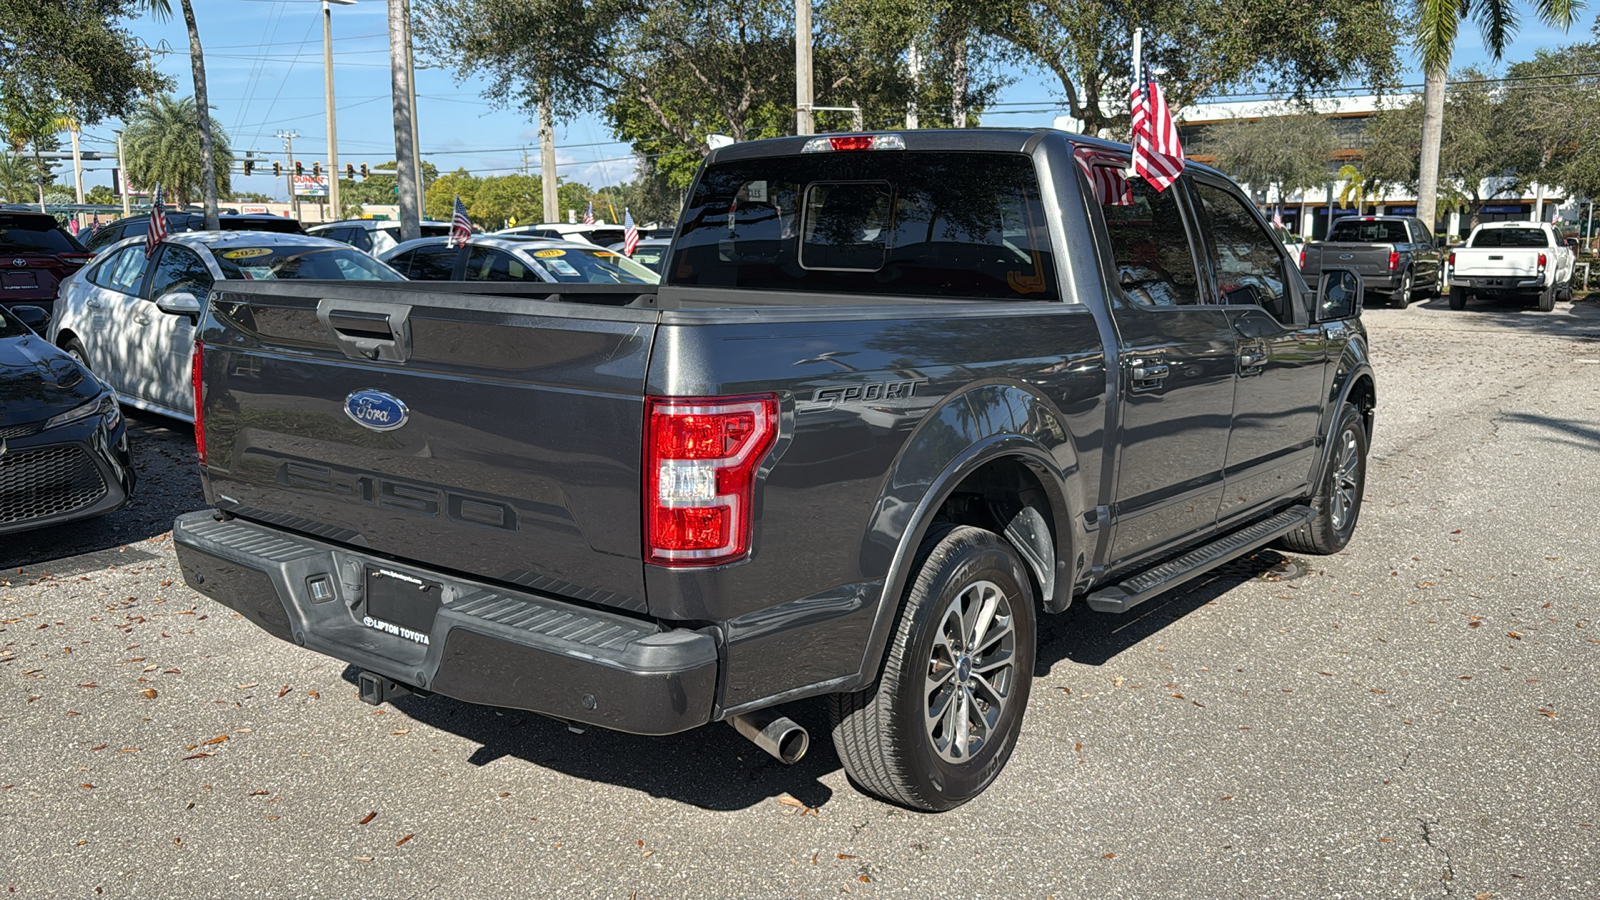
(311, 185)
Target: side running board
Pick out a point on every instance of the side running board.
(1130, 592)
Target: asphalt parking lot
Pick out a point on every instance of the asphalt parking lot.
(1414, 717)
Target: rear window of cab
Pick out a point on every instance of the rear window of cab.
(946, 225)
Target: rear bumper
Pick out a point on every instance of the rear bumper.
(486, 645)
(1497, 284)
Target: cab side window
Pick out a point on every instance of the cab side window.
(1244, 255)
(127, 273)
(1154, 261)
(180, 269)
(431, 263)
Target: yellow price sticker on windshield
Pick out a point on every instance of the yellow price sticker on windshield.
(247, 252)
(549, 254)
(604, 253)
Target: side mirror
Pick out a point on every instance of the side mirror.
(1572, 242)
(32, 316)
(1339, 295)
(180, 303)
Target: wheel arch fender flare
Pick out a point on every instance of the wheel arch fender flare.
(1030, 434)
(1356, 384)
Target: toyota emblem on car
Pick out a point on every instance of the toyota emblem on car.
(376, 410)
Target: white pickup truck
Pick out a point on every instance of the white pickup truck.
(1517, 259)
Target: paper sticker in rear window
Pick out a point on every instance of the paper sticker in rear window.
(846, 226)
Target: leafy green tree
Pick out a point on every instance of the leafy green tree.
(1356, 186)
(18, 177)
(1437, 24)
(1558, 103)
(73, 55)
(1483, 151)
(161, 143)
(498, 201)
(162, 9)
(101, 193)
(442, 193)
(1199, 47)
(1285, 153)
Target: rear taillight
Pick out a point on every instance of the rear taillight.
(199, 414)
(75, 259)
(701, 457)
(1394, 260)
(1452, 258)
(1302, 258)
(1543, 260)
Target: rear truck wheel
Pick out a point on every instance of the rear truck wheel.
(943, 717)
(1402, 296)
(1458, 298)
(1336, 505)
(1547, 299)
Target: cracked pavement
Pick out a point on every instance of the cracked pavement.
(1414, 717)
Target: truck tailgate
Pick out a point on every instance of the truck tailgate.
(494, 435)
(1497, 262)
(1368, 259)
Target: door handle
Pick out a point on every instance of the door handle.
(1148, 374)
(1251, 359)
(141, 319)
(95, 304)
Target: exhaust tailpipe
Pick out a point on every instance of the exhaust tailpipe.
(780, 736)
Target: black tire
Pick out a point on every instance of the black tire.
(1336, 505)
(1547, 299)
(885, 735)
(1401, 298)
(74, 348)
(1458, 299)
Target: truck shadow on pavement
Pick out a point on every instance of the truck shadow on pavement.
(710, 767)
(169, 485)
(713, 768)
(1580, 320)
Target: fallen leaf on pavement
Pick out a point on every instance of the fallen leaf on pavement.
(368, 818)
(404, 839)
(148, 693)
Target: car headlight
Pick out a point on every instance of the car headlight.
(105, 403)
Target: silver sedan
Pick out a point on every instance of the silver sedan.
(131, 318)
(515, 258)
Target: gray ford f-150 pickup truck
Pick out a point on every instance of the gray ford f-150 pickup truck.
(897, 396)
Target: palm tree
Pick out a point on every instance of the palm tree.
(162, 9)
(159, 146)
(1437, 25)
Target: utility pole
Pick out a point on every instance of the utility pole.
(913, 63)
(122, 179)
(804, 121)
(547, 158)
(77, 170)
(288, 168)
(405, 158)
(416, 143)
(333, 129)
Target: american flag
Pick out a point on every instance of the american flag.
(588, 217)
(158, 222)
(1111, 187)
(1157, 154)
(460, 226)
(630, 233)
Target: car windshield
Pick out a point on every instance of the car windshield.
(35, 234)
(301, 261)
(571, 265)
(650, 256)
(1359, 231)
(1511, 237)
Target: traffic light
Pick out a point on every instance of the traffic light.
(249, 165)
(277, 170)
(349, 172)
(316, 169)
(364, 170)
(298, 169)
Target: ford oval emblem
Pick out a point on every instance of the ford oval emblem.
(376, 410)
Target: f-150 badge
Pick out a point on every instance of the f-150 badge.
(376, 410)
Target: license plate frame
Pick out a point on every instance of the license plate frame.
(409, 603)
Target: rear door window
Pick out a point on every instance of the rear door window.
(489, 264)
(965, 226)
(127, 273)
(1155, 262)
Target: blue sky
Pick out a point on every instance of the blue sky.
(264, 71)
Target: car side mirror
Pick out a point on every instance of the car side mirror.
(180, 303)
(1338, 295)
(32, 316)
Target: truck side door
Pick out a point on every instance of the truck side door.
(1424, 255)
(1176, 374)
(1281, 356)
